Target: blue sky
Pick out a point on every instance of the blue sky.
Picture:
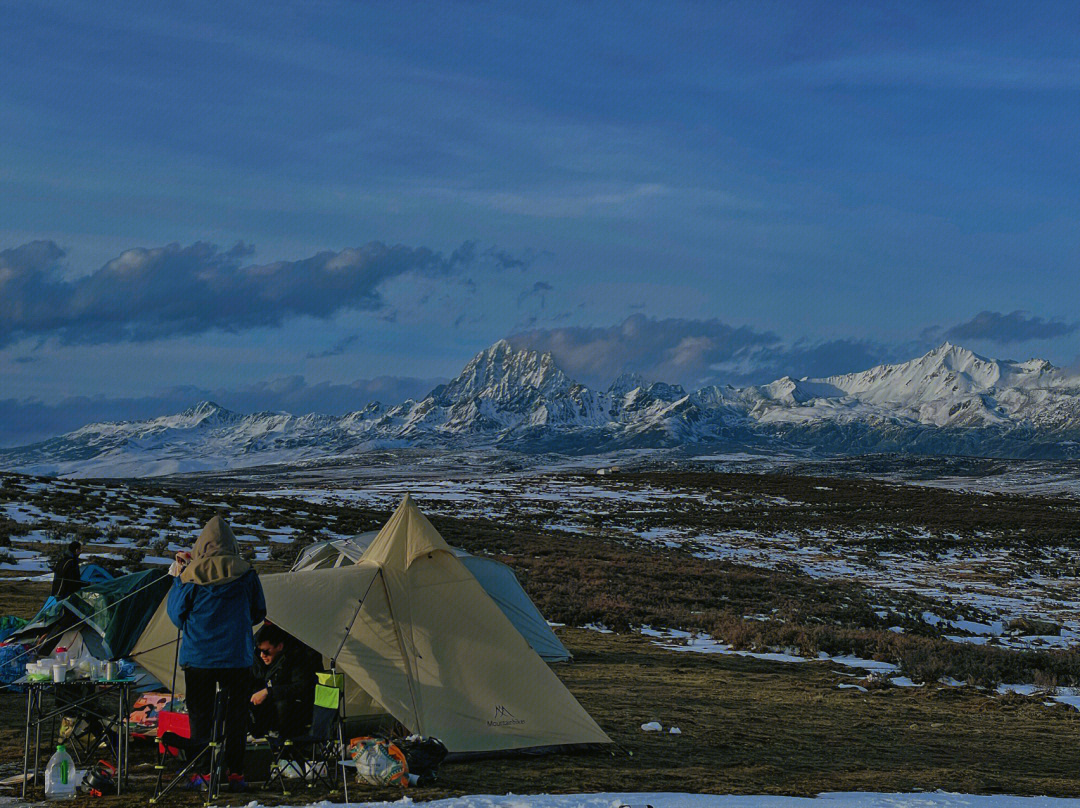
(705, 192)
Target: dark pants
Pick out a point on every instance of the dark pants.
(236, 684)
(287, 718)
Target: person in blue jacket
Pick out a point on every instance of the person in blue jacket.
(215, 600)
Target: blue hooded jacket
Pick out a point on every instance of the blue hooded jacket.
(215, 601)
(217, 620)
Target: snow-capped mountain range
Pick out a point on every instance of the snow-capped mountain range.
(949, 401)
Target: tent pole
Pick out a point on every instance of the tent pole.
(341, 695)
(348, 628)
(176, 661)
(172, 690)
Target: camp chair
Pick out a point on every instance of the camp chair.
(195, 752)
(325, 741)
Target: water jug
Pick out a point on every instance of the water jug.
(60, 775)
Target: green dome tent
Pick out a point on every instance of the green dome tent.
(108, 616)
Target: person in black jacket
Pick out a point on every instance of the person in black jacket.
(66, 580)
(284, 688)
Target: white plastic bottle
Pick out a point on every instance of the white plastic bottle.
(60, 775)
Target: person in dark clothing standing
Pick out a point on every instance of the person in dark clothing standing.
(215, 601)
(66, 580)
(284, 683)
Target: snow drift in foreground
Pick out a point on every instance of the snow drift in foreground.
(853, 799)
(937, 799)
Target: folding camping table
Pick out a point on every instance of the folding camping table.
(86, 698)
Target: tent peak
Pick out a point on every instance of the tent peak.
(407, 536)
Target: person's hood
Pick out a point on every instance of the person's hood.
(215, 558)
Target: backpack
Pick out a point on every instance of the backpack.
(379, 762)
(423, 756)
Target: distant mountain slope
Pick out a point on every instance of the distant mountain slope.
(949, 401)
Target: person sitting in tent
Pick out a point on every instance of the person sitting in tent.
(284, 683)
(215, 600)
(66, 580)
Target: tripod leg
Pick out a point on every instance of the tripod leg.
(37, 734)
(26, 741)
(182, 774)
(341, 752)
(217, 738)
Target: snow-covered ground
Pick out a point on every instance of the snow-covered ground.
(935, 799)
(992, 586)
(999, 584)
(857, 799)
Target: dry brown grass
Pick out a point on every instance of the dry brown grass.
(748, 727)
(605, 581)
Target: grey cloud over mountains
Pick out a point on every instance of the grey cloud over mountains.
(337, 349)
(993, 326)
(693, 352)
(27, 421)
(159, 292)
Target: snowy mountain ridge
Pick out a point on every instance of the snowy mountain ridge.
(948, 401)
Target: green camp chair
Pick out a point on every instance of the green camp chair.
(322, 746)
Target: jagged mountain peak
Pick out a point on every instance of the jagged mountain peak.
(625, 382)
(205, 409)
(500, 373)
(947, 370)
(666, 392)
(956, 357)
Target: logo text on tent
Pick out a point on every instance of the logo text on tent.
(507, 718)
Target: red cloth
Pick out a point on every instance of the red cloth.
(178, 723)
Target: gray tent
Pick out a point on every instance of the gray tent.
(497, 579)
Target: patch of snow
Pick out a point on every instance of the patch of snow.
(903, 681)
(872, 665)
(598, 627)
(657, 799)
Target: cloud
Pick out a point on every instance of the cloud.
(994, 326)
(28, 421)
(337, 349)
(153, 293)
(693, 352)
(539, 291)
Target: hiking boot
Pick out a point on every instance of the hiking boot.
(237, 784)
